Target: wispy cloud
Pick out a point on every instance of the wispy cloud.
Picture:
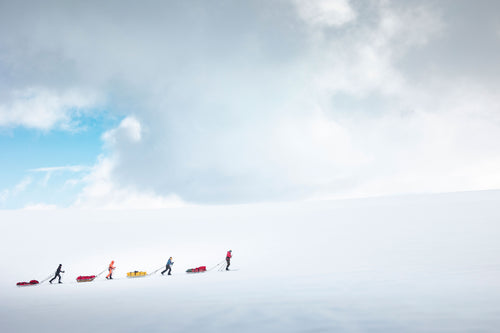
(4, 194)
(70, 168)
(50, 171)
(16, 190)
(22, 185)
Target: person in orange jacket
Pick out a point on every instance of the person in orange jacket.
(228, 259)
(111, 268)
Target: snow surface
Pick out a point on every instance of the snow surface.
(423, 263)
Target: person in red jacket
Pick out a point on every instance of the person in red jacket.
(228, 259)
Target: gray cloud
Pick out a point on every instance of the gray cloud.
(245, 101)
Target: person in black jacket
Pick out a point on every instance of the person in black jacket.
(58, 274)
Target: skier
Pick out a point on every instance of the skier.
(111, 269)
(168, 268)
(58, 274)
(228, 259)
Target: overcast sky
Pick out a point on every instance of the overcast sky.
(161, 103)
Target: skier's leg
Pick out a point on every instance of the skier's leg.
(52, 279)
(169, 270)
(59, 275)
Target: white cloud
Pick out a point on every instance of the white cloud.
(313, 150)
(355, 100)
(42, 108)
(129, 130)
(441, 146)
(364, 61)
(101, 192)
(271, 139)
(325, 12)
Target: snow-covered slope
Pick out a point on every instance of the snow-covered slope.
(402, 264)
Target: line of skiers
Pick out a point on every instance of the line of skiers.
(111, 268)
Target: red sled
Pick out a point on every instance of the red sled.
(85, 278)
(25, 284)
(200, 269)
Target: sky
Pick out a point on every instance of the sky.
(165, 103)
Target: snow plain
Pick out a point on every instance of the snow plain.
(422, 263)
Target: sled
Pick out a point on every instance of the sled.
(200, 269)
(25, 284)
(136, 274)
(85, 278)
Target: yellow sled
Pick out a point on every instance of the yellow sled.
(136, 274)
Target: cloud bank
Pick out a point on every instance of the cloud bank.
(257, 101)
